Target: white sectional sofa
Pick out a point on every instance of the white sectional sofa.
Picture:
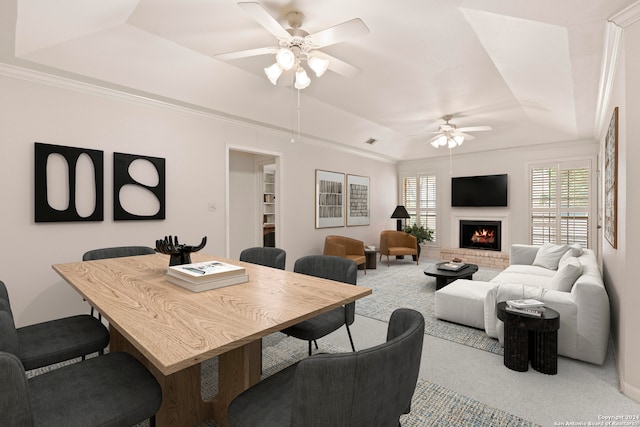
(566, 278)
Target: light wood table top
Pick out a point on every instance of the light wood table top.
(175, 329)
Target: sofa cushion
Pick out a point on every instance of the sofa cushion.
(527, 279)
(462, 301)
(575, 250)
(529, 269)
(566, 275)
(549, 255)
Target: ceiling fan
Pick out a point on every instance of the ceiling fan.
(452, 136)
(297, 49)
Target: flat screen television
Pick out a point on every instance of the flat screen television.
(479, 191)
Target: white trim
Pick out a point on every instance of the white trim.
(38, 77)
(627, 16)
(612, 45)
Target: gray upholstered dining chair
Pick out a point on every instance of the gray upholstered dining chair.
(127, 393)
(267, 256)
(50, 342)
(370, 387)
(115, 252)
(332, 268)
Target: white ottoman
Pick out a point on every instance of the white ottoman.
(462, 301)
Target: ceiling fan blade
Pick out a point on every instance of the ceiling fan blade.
(262, 17)
(339, 33)
(467, 137)
(246, 53)
(474, 128)
(338, 66)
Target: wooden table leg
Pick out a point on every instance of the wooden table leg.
(238, 370)
(182, 404)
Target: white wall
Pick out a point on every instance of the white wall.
(619, 273)
(194, 146)
(515, 163)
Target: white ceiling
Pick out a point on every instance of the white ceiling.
(529, 69)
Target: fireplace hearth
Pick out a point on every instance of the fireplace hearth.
(484, 235)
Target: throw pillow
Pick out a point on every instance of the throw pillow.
(575, 250)
(549, 255)
(566, 276)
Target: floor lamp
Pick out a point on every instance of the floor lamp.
(400, 213)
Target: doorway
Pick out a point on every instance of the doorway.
(252, 200)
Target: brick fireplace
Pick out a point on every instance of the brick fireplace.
(489, 247)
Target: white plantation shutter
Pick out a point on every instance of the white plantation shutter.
(560, 203)
(419, 198)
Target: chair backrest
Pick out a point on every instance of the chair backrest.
(333, 268)
(393, 238)
(15, 405)
(343, 246)
(8, 332)
(117, 252)
(267, 256)
(370, 387)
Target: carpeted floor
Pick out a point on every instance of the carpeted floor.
(404, 284)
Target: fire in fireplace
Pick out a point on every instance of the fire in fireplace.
(480, 235)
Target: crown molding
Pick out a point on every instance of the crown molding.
(121, 95)
(612, 43)
(627, 16)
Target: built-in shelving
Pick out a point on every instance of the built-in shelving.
(269, 208)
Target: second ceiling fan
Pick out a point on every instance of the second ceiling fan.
(297, 49)
(452, 136)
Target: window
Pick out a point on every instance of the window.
(560, 203)
(419, 197)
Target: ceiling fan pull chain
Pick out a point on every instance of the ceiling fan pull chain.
(293, 117)
(298, 114)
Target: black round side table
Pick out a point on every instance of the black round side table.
(530, 338)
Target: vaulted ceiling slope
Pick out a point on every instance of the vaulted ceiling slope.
(529, 69)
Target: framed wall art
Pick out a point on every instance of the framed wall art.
(330, 190)
(611, 181)
(151, 186)
(357, 200)
(79, 177)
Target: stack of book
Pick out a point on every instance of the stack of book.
(204, 276)
(528, 307)
(451, 266)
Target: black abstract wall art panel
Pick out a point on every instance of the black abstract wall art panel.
(57, 195)
(129, 185)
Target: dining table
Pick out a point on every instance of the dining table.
(172, 330)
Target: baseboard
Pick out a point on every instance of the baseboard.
(629, 390)
(625, 388)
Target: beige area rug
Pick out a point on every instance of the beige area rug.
(405, 285)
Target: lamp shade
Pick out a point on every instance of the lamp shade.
(285, 58)
(318, 65)
(400, 212)
(273, 73)
(302, 79)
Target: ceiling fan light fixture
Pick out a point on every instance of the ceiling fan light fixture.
(459, 139)
(441, 141)
(302, 79)
(451, 143)
(318, 65)
(285, 58)
(273, 73)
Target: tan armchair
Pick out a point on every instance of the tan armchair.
(346, 247)
(394, 243)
